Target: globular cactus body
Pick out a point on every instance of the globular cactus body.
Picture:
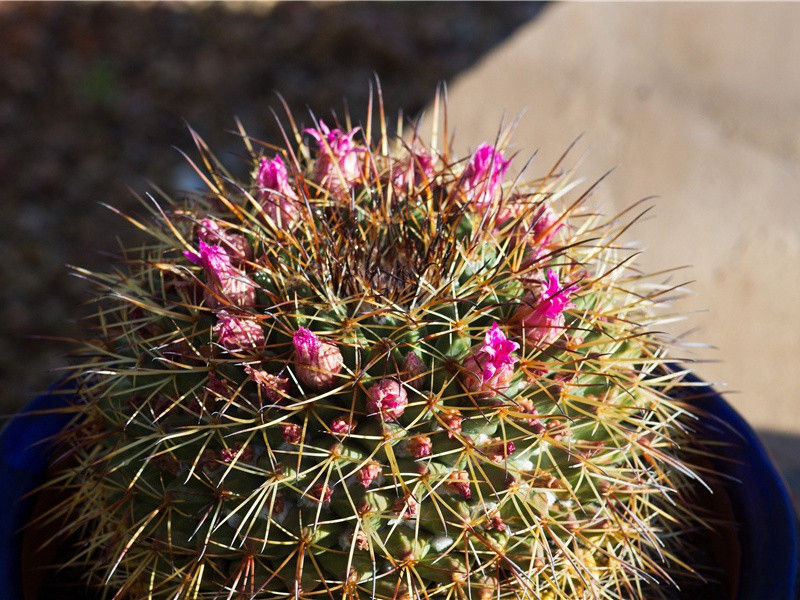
(375, 370)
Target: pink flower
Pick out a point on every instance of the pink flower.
(237, 334)
(318, 362)
(497, 450)
(541, 315)
(320, 492)
(210, 232)
(339, 160)
(291, 432)
(414, 171)
(483, 176)
(341, 426)
(452, 419)
(223, 280)
(419, 446)
(369, 473)
(388, 399)
(544, 226)
(458, 483)
(489, 369)
(276, 195)
(274, 387)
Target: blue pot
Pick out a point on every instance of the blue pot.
(767, 527)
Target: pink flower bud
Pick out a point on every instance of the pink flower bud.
(483, 176)
(291, 432)
(452, 418)
(414, 171)
(317, 362)
(388, 399)
(228, 455)
(541, 314)
(369, 473)
(406, 508)
(224, 282)
(235, 244)
(339, 161)
(496, 523)
(237, 335)
(413, 367)
(498, 450)
(277, 198)
(274, 387)
(458, 483)
(488, 369)
(320, 492)
(342, 426)
(544, 226)
(419, 446)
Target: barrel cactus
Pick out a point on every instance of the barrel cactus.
(376, 370)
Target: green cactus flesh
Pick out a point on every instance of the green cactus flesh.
(401, 452)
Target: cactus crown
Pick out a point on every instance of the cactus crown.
(375, 371)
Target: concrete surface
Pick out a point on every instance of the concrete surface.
(699, 104)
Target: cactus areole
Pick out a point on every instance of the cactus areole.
(374, 369)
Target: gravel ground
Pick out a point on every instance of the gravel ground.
(93, 97)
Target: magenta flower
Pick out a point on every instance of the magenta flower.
(489, 369)
(223, 280)
(388, 399)
(317, 362)
(276, 196)
(237, 335)
(339, 160)
(483, 176)
(541, 315)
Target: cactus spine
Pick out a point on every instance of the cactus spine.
(375, 370)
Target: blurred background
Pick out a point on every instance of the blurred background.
(697, 103)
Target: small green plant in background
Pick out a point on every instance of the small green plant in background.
(376, 370)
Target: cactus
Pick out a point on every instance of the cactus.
(373, 370)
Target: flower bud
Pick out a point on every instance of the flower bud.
(237, 335)
(388, 399)
(489, 369)
(317, 362)
(276, 196)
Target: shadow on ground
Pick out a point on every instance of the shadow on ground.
(95, 96)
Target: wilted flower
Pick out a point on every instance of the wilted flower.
(341, 426)
(339, 160)
(498, 450)
(489, 369)
(483, 176)
(541, 314)
(276, 196)
(452, 418)
(222, 278)
(318, 362)
(291, 432)
(237, 334)
(388, 399)
(274, 387)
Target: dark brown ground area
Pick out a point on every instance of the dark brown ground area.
(93, 97)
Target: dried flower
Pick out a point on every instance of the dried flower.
(369, 473)
(458, 483)
(274, 387)
(419, 446)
